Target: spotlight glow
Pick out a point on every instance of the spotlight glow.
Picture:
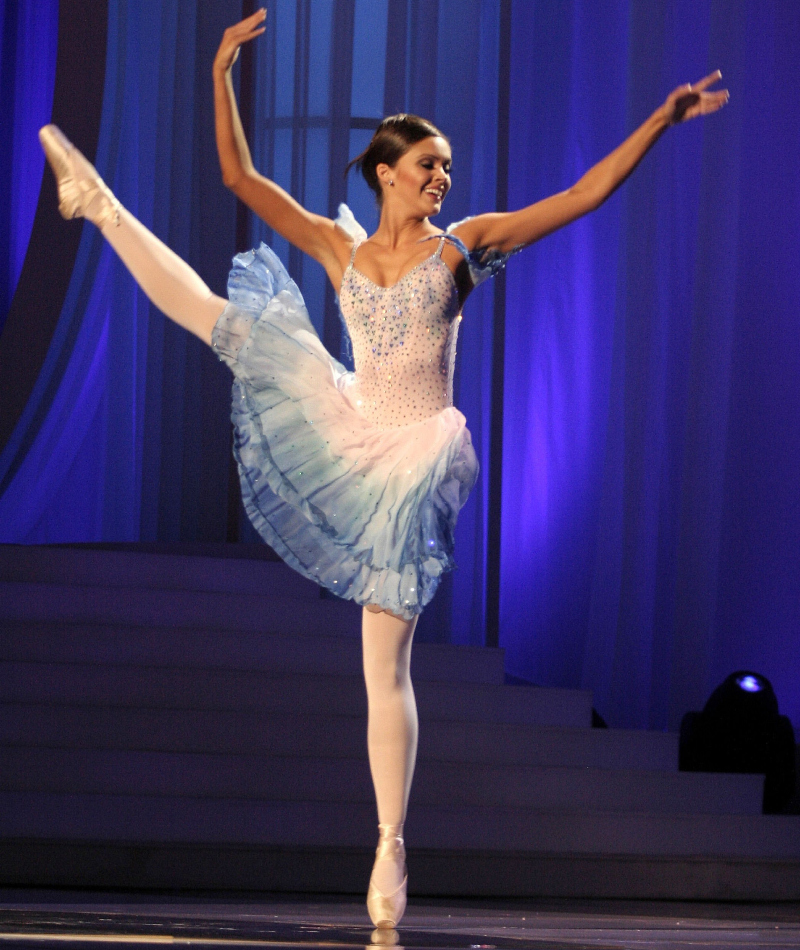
(750, 684)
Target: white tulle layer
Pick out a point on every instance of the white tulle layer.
(367, 512)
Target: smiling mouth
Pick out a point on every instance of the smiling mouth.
(437, 194)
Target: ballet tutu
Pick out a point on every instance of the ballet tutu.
(366, 511)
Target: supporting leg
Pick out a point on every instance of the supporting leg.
(392, 744)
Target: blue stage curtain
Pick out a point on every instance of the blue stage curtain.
(28, 43)
(135, 443)
(651, 504)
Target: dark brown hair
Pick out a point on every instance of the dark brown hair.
(392, 139)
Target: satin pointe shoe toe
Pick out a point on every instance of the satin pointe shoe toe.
(82, 193)
(386, 897)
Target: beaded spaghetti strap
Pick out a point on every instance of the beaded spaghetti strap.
(356, 245)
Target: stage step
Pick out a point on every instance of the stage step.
(286, 732)
(60, 642)
(45, 815)
(246, 690)
(336, 779)
(172, 718)
(88, 567)
(277, 612)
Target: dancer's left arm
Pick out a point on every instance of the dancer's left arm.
(508, 230)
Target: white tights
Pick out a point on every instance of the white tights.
(392, 724)
(392, 728)
(168, 281)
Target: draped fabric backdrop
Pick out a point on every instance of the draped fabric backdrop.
(650, 505)
(28, 40)
(126, 435)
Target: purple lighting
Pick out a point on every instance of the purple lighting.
(749, 683)
(28, 43)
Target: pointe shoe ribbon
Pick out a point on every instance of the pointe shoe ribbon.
(386, 910)
(82, 193)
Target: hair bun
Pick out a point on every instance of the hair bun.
(392, 139)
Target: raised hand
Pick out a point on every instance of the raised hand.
(692, 100)
(232, 39)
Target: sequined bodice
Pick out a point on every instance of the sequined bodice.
(404, 341)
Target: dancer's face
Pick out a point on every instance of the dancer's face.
(421, 176)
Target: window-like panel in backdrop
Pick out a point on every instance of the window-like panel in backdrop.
(369, 54)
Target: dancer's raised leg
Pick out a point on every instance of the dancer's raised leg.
(392, 745)
(168, 281)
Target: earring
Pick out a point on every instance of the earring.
(391, 182)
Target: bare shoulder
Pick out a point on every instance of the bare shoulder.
(500, 231)
(334, 244)
(471, 231)
(333, 248)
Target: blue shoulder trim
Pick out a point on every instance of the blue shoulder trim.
(483, 262)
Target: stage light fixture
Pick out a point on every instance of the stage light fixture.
(750, 683)
(741, 730)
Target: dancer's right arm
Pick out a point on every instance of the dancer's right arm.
(315, 235)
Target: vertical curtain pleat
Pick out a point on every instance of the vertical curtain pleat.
(134, 443)
(28, 43)
(650, 510)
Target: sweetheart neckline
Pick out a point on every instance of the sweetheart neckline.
(432, 257)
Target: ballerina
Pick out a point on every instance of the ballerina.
(355, 479)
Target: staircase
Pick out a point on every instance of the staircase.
(199, 722)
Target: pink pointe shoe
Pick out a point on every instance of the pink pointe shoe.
(386, 910)
(82, 193)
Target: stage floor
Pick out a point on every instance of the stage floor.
(44, 919)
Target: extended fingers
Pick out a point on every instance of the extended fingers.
(236, 36)
(249, 27)
(711, 101)
(704, 104)
(707, 81)
(255, 22)
(253, 34)
(693, 99)
(258, 17)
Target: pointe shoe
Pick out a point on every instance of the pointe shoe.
(386, 910)
(384, 938)
(82, 193)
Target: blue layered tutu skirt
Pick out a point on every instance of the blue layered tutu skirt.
(366, 511)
